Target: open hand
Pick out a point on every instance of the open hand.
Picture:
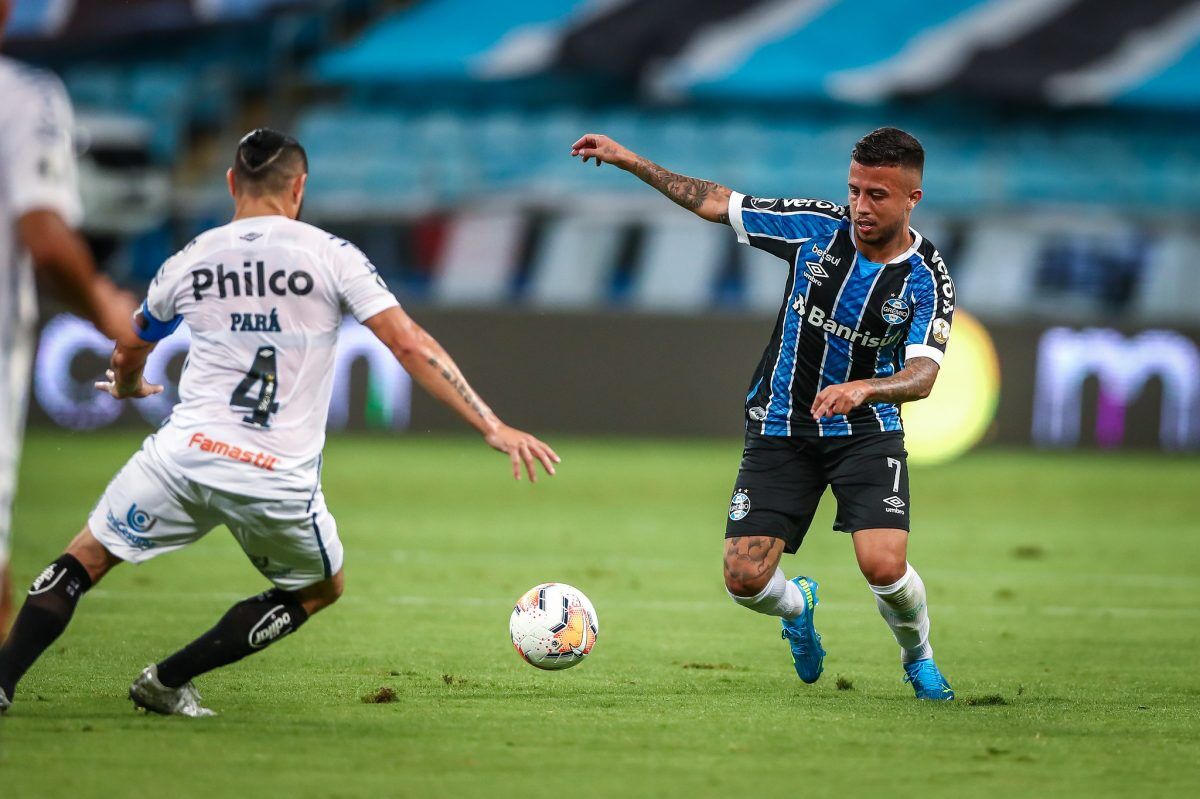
(602, 148)
(118, 391)
(521, 447)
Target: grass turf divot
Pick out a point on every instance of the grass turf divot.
(383, 696)
(982, 701)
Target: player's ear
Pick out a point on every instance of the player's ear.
(228, 179)
(914, 197)
(298, 184)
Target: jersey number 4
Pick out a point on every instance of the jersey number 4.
(263, 372)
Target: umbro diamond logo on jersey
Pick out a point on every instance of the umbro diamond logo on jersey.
(814, 272)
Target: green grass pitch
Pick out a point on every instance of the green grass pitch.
(1064, 593)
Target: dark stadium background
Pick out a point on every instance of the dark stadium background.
(1061, 188)
(1054, 466)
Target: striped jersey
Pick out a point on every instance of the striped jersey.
(843, 317)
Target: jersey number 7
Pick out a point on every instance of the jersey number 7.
(262, 371)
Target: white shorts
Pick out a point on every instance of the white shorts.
(148, 509)
(14, 385)
(10, 442)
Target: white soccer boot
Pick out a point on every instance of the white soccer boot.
(5, 702)
(148, 693)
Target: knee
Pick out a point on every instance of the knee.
(883, 570)
(91, 554)
(323, 594)
(750, 563)
(743, 582)
(337, 587)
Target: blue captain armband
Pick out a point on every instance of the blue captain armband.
(150, 329)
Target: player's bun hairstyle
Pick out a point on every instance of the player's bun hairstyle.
(267, 161)
(890, 147)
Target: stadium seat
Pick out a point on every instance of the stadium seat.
(679, 264)
(1172, 282)
(479, 260)
(575, 262)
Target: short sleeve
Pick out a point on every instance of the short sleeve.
(360, 288)
(933, 314)
(38, 152)
(158, 316)
(781, 226)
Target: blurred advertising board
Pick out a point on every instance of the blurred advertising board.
(675, 375)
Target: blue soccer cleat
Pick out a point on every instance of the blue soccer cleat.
(927, 681)
(800, 632)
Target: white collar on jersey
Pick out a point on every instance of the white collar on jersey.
(902, 257)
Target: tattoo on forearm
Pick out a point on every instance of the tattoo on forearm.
(680, 189)
(913, 382)
(460, 386)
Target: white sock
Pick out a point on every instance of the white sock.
(902, 605)
(780, 598)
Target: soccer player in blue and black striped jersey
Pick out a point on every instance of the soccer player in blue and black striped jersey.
(864, 323)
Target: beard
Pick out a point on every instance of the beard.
(881, 235)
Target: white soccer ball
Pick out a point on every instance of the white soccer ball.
(553, 626)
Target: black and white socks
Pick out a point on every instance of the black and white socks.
(46, 613)
(247, 627)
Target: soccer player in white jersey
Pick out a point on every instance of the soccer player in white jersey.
(39, 214)
(263, 297)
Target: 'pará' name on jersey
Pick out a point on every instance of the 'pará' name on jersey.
(252, 281)
(263, 299)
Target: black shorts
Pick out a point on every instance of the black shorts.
(782, 480)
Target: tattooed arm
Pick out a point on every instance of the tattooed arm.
(913, 382)
(704, 198)
(435, 371)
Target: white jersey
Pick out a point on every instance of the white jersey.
(263, 298)
(37, 172)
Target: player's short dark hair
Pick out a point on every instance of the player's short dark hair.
(267, 160)
(890, 147)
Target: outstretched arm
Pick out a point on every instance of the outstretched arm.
(62, 257)
(704, 198)
(913, 382)
(432, 367)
